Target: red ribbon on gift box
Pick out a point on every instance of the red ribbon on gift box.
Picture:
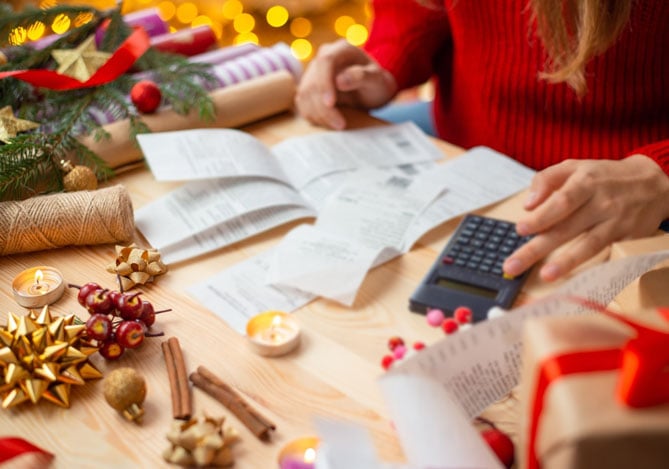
(642, 361)
(11, 447)
(120, 61)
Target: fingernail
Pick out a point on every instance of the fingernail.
(550, 272)
(337, 124)
(522, 229)
(328, 98)
(513, 266)
(531, 197)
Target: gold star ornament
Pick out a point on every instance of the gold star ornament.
(41, 357)
(82, 62)
(10, 125)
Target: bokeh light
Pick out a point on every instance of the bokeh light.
(61, 24)
(246, 37)
(232, 8)
(342, 24)
(36, 30)
(301, 48)
(357, 34)
(300, 27)
(167, 10)
(186, 12)
(244, 23)
(277, 16)
(18, 36)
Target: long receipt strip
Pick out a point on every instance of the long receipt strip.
(463, 374)
(238, 293)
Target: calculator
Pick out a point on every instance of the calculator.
(468, 272)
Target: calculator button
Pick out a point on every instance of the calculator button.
(472, 265)
(492, 246)
(496, 239)
(481, 236)
(467, 232)
(489, 222)
(460, 262)
(447, 260)
(505, 250)
(477, 243)
(476, 258)
(500, 231)
(497, 270)
(484, 268)
(488, 261)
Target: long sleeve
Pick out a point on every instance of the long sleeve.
(408, 40)
(485, 58)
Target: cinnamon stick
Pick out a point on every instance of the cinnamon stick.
(226, 395)
(176, 371)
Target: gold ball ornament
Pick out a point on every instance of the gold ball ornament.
(78, 178)
(125, 390)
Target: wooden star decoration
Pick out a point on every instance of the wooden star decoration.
(82, 62)
(10, 125)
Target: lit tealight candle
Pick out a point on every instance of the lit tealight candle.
(273, 333)
(38, 286)
(299, 454)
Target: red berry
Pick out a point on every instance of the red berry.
(130, 334)
(129, 306)
(386, 361)
(449, 325)
(99, 327)
(85, 290)
(418, 346)
(146, 96)
(148, 315)
(501, 445)
(110, 349)
(463, 314)
(394, 342)
(99, 302)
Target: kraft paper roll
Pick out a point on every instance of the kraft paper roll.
(66, 219)
(235, 106)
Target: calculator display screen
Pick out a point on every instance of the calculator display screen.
(466, 287)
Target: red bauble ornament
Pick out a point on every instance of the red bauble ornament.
(146, 96)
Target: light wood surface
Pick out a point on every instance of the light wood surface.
(333, 373)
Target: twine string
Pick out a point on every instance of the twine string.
(66, 219)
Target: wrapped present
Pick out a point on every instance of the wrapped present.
(595, 392)
(650, 289)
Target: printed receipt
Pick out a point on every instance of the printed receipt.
(475, 367)
(353, 240)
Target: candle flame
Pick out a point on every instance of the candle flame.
(276, 321)
(39, 276)
(309, 455)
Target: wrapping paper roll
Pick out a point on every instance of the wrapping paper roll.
(65, 219)
(235, 105)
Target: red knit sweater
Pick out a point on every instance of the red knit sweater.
(485, 57)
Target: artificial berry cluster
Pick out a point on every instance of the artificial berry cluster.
(118, 321)
(462, 318)
(398, 350)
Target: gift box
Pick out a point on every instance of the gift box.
(650, 289)
(594, 392)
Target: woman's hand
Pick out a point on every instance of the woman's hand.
(342, 75)
(597, 201)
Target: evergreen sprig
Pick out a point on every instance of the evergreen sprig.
(31, 163)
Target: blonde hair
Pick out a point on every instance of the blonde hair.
(572, 32)
(575, 31)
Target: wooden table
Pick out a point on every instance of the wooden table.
(332, 374)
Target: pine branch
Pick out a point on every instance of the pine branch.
(31, 163)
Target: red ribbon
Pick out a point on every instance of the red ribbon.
(119, 62)
(12, 447)
(642, 360)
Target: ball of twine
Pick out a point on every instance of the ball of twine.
(73, 218)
